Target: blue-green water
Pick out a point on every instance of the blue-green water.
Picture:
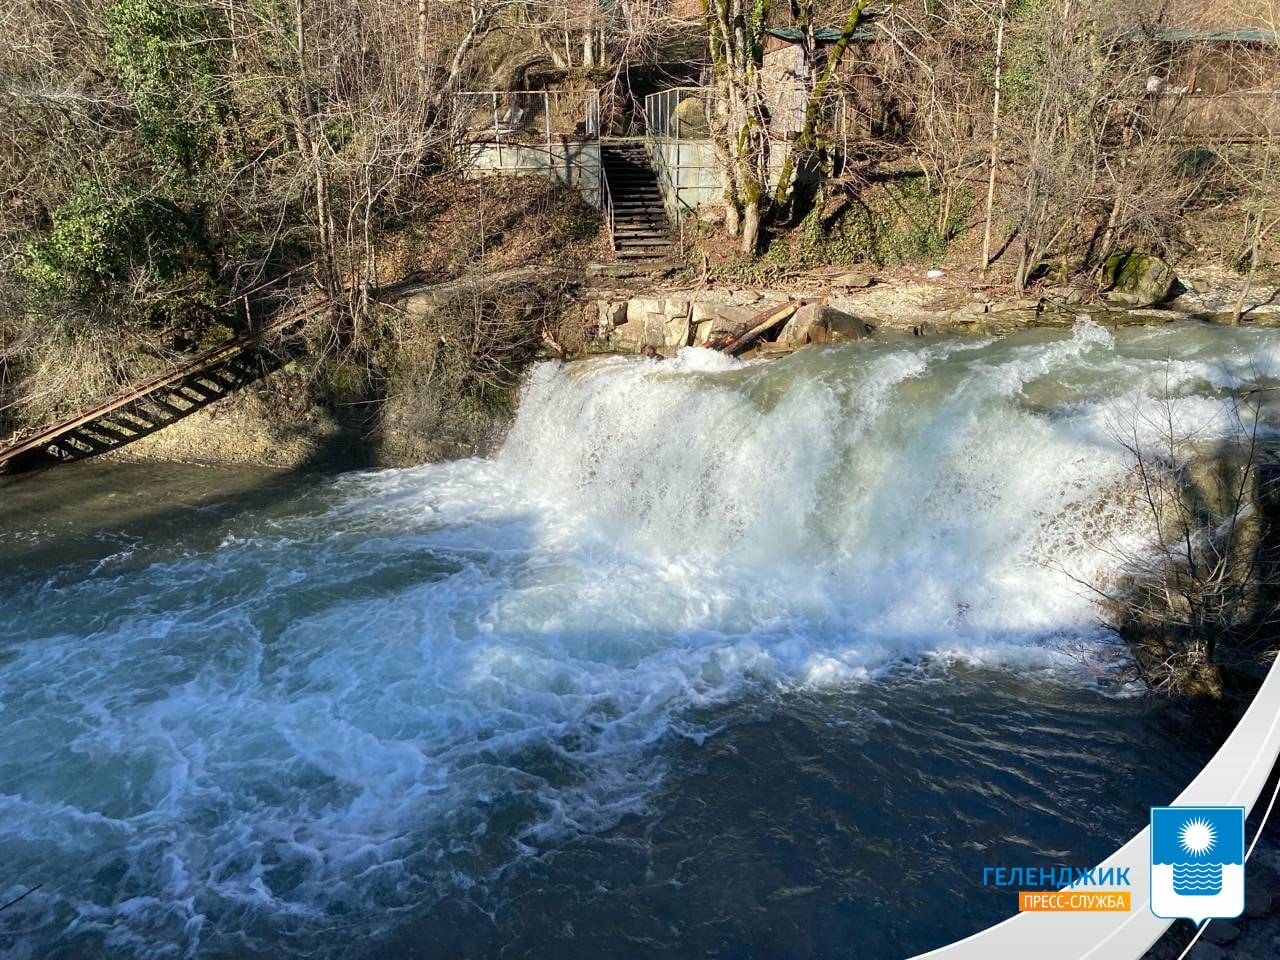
(712, 660)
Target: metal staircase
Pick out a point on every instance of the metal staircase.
(637, 217)
(150, 406)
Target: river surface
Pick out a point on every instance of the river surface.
(712, 660)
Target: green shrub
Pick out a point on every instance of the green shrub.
(167, 57)
(902, 223)
(102, 241)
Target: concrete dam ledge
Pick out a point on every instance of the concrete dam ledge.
(849, 307)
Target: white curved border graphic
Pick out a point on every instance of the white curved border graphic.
(1234, 777)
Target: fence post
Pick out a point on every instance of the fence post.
(497, 137)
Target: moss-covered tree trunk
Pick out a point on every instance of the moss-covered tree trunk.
(739, 127)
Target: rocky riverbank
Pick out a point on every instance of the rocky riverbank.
(272, 422)
(626, 318)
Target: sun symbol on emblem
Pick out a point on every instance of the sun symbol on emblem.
(1196, 836)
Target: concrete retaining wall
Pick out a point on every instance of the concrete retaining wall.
(576, 162)
(690, 177)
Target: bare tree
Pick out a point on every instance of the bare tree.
(1261, 169)
(1199, 591)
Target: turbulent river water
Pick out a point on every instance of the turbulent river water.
(712, 659)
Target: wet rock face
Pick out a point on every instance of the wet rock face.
(630, 325)
(1138, 278)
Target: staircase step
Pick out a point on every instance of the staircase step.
(640, 230)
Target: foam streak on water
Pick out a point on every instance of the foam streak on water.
(394, 690)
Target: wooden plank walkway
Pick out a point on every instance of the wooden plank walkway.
(156, 403)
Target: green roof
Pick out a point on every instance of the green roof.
(821, 35)
(1219, 36)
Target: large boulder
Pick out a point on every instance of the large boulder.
(692, 115)
(843, 327)
(1138, 278)
(821, 323)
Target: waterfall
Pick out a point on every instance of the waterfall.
(398, 684)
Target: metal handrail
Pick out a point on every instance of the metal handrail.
(657, 105)
(657, 129)
(501, 133)
(668, 183)
(606, 202)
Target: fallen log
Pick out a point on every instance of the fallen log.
(758, 326)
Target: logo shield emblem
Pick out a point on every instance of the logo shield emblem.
(1197, 862)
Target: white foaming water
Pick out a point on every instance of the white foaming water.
(347, 711)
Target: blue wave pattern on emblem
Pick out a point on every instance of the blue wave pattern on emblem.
(1197, 880)
(1197, 842)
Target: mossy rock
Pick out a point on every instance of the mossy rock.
(348, 383)
(1138, 278)
(692, 115)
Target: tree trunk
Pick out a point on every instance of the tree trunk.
(423, 37)
(995, 138)
(307, 139)
(750, 225)
(1238, 312)
(589, 42)
(740, 140)
(732, 213)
